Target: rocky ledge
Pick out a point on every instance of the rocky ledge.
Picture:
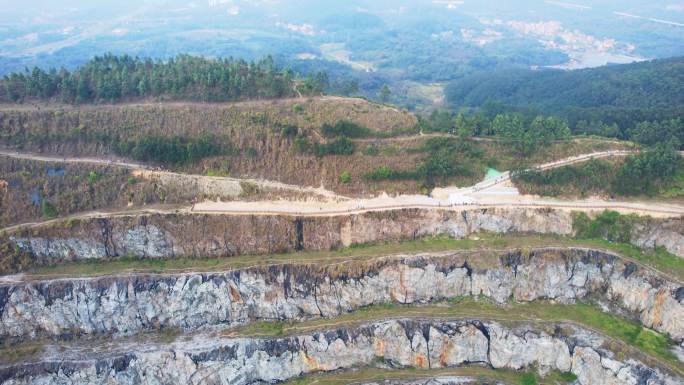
(389, 344)
(202, 236)
(129, 304)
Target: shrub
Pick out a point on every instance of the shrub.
(248, 189)
(48, 210)
(290, 131)
(345, 177)
(590, 176)
(610, 225)
(345, 129)
(371, 150)
(302, 144)
(341, 146)
(92, 178)
(13, 258)
(251, 152)
(173, 150)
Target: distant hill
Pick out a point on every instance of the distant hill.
(112, 79)
(657, 84)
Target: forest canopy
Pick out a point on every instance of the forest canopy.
(111, 78)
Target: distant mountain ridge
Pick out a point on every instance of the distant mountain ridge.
(644, 85)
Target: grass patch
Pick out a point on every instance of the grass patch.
(369, 375)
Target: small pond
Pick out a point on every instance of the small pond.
(492, 174)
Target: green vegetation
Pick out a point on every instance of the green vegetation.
(526, 137)
(48, 210)
(644, 173)
(92, 178)
(641, 102)
(649, 84)
(582, 179)
(609, 225)
(339, 146)
(174, 150)
(290, 130)
(345, 177)
(384, 94)
(656, 172)
(251, 152)
(374, 375)
(446, 158)
(112, 78)
(528, 379)
(525, 133)
(14, 258)
(345, 129)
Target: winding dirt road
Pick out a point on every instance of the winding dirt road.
(475, 197)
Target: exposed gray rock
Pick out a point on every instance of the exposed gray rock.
(668, 234)
(68, 249)
(133, 303)
(144, 241)
(396, 343)
(202, 236)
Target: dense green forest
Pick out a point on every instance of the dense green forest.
(656, 172)
(523, 132)
(112, 78)
(653, 84)
(643, 102)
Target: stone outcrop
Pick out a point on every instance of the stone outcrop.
(203, 236)
(668, 234)
(392, 343)
(131, 304)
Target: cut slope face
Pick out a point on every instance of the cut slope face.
(399, 343)
(131, 304)
(169, 235)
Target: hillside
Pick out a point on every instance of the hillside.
(112, 79)
(655, 84)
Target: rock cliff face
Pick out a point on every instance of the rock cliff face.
(202, 236)
(134, 303)
(668, 234)
(394, 343)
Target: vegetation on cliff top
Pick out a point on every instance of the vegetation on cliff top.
(113, 78)
(656, 172)
(642, 102)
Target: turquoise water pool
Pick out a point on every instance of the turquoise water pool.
(492, 174)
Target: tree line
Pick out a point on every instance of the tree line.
(524, 133)
(526, 130)
(647, 173)
(641, 102)
(112, 78)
